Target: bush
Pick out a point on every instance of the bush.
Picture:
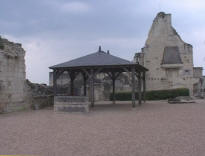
(153, 95)
(1, 44)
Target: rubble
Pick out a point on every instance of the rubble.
(181, 100)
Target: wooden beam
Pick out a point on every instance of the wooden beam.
(92, 87)
(117, 75)
(54, 83)
(97, 71)
(91, 74)
(133, 87)
(139, 89)
(113, 90)
(113, 76)
(85, 72)
(56, 75)
(72, 75)
(125, 69)
(85, 84)
(72, 87)
(144, 87)
(109, 74)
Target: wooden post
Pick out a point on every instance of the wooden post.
(72, 78)
(56, 75)
(113, 90)
(144, 87)
(85, 84)
(92, 87)
(54, 83)
(133, 87)
(71, 87)
(139, 89)
(113, 75)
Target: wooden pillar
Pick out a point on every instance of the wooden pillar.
(92, 87)
(54, 83)
(56, 75)
(113, 90)
(72, 78)
(144, 87)
(71, 84)
(113, 75)
(85, 84)
(133, 87)
(139, 89)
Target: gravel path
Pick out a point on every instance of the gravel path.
(154, 129)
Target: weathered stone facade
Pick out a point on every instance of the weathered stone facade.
(168, 58)
(17, 93)
(38, 95)
(12, 76)
(71, 104)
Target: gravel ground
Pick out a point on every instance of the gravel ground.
(154, 129)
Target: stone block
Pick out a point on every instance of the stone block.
(71, 104)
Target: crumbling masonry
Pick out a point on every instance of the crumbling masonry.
(12, 76)
(168, 58)
(17, 93)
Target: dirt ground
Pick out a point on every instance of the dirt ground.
(154, 129)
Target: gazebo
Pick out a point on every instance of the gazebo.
(91, 65)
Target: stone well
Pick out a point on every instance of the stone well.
(71, 104)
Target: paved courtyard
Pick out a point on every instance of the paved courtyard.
(154, 129)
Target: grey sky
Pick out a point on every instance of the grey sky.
(54, 31)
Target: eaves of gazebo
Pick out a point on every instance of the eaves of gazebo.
(101, 62)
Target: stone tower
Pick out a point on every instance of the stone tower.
(168, 58)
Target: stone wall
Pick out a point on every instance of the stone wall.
(198, 72)
(16, 93)
(163, 37)
(38, 95)
(12, 76)
(71, 104)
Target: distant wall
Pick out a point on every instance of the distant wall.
(198, 72)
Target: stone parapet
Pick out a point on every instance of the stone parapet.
(71, 104)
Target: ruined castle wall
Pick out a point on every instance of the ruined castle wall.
(198, 72)
(12, 76)
(162, 35)
(17, 93)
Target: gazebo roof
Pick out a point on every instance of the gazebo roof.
(96, 59)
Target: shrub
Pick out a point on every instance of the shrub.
(1, 44)
(153, 95)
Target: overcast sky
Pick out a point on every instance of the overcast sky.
(55, 31)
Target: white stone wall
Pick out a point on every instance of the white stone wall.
(12, 76)
(162, 35)
(198, 72)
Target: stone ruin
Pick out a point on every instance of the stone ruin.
(17, 93)
(169, 59)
